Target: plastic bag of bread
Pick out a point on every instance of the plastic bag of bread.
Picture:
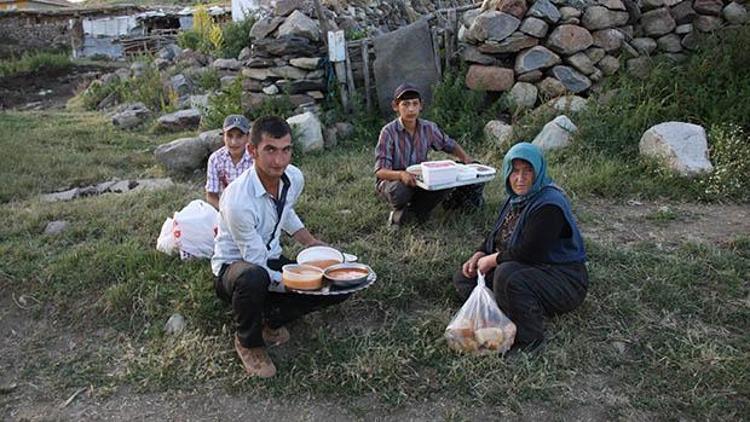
(480, 327)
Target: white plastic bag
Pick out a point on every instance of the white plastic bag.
(480, 327)
(166, 242)
(194, 229)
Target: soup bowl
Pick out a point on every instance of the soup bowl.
(347, 275)
(302, 277)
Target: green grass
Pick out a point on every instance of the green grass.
(681, 314)
(36, 62)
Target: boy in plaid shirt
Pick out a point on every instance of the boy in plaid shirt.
(229, 161)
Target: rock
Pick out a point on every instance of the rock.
(308, 130)
(538, 57)
(657, 22)
(676, 57)
(160, 64)
(691, 41)
(180, 120)
(123, 73)
(652, 4)
(514, 43)
(271, 90)
(175, 324)
(264, 27)
(735, 13)
(286, 7)
(705, 23)
(533, 76)
(198, 102)
(523, 95)
(609, 65)
(61, 196)
(227, 64)
(288, 72)
(468, 18)
(595, 54)
(516, 8)
(181, 84)
(619, 347)
(108, 79)
(55, 227)
(471, 54)
(489, 78)
(582, 63)
(517, 41)
(169, 52)
(669, 43)
(684, 29)
(629, 50)
(544, 9)
(639, 67)
(555, 134)
(307, 63)
(245, 54)
(535, 27)
(330, 137)
(297, 24)
(708, 7)
(499, 133)
(286, 45)
(130, 115)
(300, 86)
(568, 103)
(259, 74)
(138, 69)
(682, 147)
(569, 39)
(550, 88)
(344, 130)
(494, 26)
(613, 4)
(683, 12)
(599, 17)
(644, 45)
(251, 101)
(609, 39)
(212, 139)
(108, 102)
(316, 74)
(567, 12)
(596, 77)
(573, 81)
(259, 62)
(227, 81)
(183, 155)
(191, 58)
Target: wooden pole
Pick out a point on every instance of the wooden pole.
(349, 75)
(340, 69)
(322, 19)
(436, 51)
(366, 71)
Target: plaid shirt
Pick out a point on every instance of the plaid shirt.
(222, 171)
(397, 149)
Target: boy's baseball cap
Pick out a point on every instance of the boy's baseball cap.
(236, 121)
(403, 89)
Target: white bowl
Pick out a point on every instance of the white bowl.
(320, 255)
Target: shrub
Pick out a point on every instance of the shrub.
(730, 153)
(279, 105)
(237, 37)
(36, 62)
(228, 101)
(209, 80)
(190, 39)
(147, 88)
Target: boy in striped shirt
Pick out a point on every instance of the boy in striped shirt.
(229, 161)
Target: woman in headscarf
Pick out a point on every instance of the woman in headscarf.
(534, 256)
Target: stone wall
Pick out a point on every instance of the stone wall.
(544, 49)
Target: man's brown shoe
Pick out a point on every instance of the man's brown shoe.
(255, 360)
(275, 337)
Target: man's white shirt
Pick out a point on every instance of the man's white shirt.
(247, 217)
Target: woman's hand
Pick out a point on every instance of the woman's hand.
(469, 268)
(487, 263)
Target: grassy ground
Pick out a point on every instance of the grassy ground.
(662, 334)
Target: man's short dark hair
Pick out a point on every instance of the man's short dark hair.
(273, 126)
(409, 95)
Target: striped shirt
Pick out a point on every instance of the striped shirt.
(222, 171)
(397, 149)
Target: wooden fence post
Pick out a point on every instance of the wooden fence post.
(366, 71)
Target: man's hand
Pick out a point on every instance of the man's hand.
(469, 268)
(487, 263)
(408, 179)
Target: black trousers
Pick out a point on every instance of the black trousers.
(415, 199)
(527, 293)
(245, 286)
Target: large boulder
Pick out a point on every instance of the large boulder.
(523, 95)
(644, 45)
(682, 147)
(683, 12)
(499, 133)
(307, 63)
(544, 9)
(735, 13)
(232, 65)
(657, 22)
(264, 27)
(582, 63)
(708, 7)
(298, 24)
(535, 58)
(180, 120)
(183, 155)
(609, 39)
(550, 87)
(489, 78)
(130, 115)
(609, 65)
(569, 39)
(494, 26)
(705, 23)
(599, 17)
(308, 131)
(556, 134)
(535, 27)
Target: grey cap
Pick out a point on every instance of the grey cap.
(236, 121)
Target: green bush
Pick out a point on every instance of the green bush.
(279, 105)
(35, 62)
(190, 39)
(147, 88)
(228, 101)
(460, 112)
(730, 154)
(209, 80)
(236, 37)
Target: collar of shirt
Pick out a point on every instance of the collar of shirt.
(401, 128)
(245, 156)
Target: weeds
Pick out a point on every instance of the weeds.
(35, 63)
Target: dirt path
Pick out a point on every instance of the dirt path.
(626, 224)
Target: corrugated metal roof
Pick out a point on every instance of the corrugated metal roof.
(61, 3)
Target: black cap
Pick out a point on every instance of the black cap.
(403, 89)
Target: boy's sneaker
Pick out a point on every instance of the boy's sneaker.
(255, 360)
(275, 337)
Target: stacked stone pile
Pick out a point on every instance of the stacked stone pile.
(546, 48)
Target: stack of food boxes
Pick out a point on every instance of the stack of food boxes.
(439, 172)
